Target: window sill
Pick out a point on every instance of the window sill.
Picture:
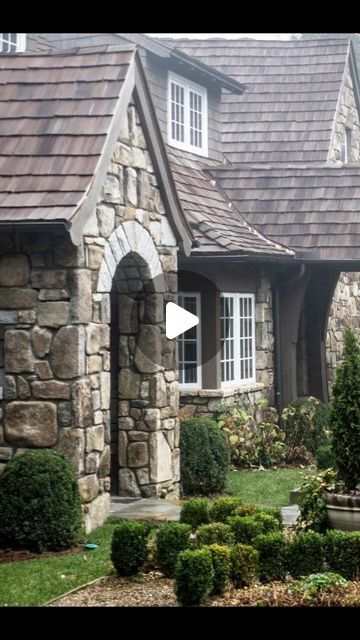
(223, 393)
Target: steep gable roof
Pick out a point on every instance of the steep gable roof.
(287, 111)
(60, 116)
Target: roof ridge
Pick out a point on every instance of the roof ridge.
(113, 48)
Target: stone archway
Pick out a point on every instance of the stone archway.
(144, 401)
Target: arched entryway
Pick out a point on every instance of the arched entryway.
(144, 390)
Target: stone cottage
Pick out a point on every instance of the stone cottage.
(135, 172)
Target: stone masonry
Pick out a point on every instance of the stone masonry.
(204, 402)
(55, 356)
(345, 308)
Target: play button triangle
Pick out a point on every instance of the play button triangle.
(178, 320)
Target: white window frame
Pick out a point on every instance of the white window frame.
(198, 384)
(237, 381)
(188, 86)
(19, 47)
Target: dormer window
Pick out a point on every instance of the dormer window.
(12, 42)
(187, 115)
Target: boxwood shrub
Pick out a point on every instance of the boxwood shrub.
(221, 508)
(214, 533)
(204, 457)
(39, 502)
(244, 565)
(195, 512)
(194, 576)
(305, 554)
(129, 549)
(170, 540)
(272, 556)
(221, 562)
(342, 552)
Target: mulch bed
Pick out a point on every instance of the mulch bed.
(153, 590)
(17, 555)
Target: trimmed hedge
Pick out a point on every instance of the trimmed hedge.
(214, 533)
(170, 540)
(244, 565)
(39, 502)
(305, 554)
(221, 508)
(204, 457)
(195, 512)
(221, 562)
(129, 549)
(268, 522)
(275, 512)
(272, 556)
(194, 577)
(342, 552)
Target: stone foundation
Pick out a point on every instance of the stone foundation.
(205, 402)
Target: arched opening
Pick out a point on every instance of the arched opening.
(137, 386)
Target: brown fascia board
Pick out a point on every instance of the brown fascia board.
(193, 64)
(135, 83)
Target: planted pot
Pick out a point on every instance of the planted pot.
(343, 511)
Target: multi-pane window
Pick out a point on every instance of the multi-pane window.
(12, 42)
(237, 338)
(189, 344)
(187, 126)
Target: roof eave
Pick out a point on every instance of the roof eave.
(355, 76)
(165, 51)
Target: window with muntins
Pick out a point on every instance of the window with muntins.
(187, 115)
(12, 42)
(189, 344)
(237, 338)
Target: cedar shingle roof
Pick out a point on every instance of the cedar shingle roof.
(217, 227)
(309, 208)
(56, 111)
(287, 111)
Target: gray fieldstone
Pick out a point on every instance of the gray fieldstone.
(67, 354)
(81, 298)
(23, 389)
(137, 454)
(89, 488)
(41, 341)
(14, 270)
(129, 384)
(16, 298)
(54, 279)
(18, 353)
(148, 349)
(53, 314)
(31, 424)
(127, 484)
(96, 512)
(106, 218)
(82, 403)
(71, 443)
(95, 439)
(43, 370)
(50, 389)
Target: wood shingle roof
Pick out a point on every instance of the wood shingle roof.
(314, 208)
(56, 111)
(287, 111)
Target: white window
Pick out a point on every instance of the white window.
(12, 42)
(189, 344)
(187, 115)
(237, 338)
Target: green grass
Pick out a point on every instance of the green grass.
(269, 488)
(34, 582)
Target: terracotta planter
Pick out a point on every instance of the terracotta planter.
(343, 511)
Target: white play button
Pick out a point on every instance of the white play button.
(178, 320)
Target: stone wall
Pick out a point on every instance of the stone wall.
(55, 337)
(345, 308)
(203, 402)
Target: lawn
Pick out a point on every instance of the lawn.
(34, 582)
(268, 488)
